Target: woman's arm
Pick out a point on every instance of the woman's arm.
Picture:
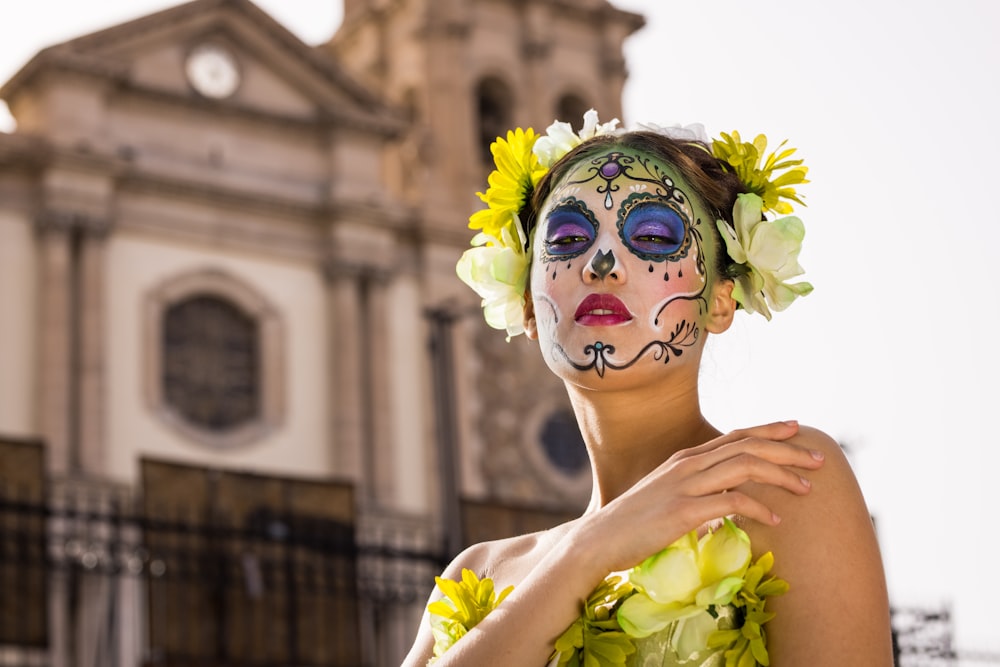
(837, 611)
(678, 496)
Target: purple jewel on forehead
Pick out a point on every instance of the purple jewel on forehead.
(610, 169)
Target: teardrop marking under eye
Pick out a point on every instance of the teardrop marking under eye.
(653, 231)
(569, 232)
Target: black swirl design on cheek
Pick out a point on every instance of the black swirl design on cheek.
(699, 296)
(685, 335)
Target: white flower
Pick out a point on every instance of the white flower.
(558, 140)
(559, 137)
(769, 251)
(690, 637)
(672, 575)
(497, 269)
(593, 128)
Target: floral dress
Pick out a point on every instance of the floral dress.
(698, 603)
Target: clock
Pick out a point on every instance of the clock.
(213, 71)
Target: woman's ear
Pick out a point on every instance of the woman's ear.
(721, 307)
(530, 327)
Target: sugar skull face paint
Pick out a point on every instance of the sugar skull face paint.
(619, 274)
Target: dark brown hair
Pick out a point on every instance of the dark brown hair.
(712, 183)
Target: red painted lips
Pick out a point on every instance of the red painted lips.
(602, 310)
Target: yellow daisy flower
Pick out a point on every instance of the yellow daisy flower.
(761, 179)
(464, 604)
(516, 175)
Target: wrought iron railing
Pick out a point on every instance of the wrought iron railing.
(87, 579)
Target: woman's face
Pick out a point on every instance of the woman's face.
(621, 268)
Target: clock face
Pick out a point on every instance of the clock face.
(213, 71)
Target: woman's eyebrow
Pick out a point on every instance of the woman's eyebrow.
(629, 206)
(570, 203)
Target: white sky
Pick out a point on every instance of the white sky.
(893, 105)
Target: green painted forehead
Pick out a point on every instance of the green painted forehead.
(617, 171)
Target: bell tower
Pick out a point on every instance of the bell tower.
(468, 70)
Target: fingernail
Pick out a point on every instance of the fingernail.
(775, 518)
(791, 422)
(805, 482)
(818, 455)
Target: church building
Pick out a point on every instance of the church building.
(247, 410)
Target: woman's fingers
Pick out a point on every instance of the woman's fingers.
(746, 467)
(698, 511)
(781, 453)
(776, 451)
(773, 431)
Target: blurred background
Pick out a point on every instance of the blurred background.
(247, 411)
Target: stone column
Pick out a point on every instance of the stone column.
(55, 332)
(377, 406)
(361, 378)
(90, 363)
(71, 360)
(344, 322)
(411, 400)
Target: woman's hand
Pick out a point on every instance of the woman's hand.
(692, 487)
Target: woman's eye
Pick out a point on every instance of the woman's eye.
(569, 233)
(569, 240)
(654, 238)
(653, 230)
(567, 244)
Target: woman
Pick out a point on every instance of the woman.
(637, 245)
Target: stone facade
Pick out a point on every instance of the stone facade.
(323, 193)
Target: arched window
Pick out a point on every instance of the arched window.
(214, 362)
(211, 362)
(570, 109)
(494, 104)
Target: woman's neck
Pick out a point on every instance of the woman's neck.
(630, 432)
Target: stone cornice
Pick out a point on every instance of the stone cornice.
(23, 152)
(598, 13)
(54, 220)
(36, 155)
(61, 59)
(603, 13)
(338, 268)
(329, 118)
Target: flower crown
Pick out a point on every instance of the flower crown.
(764, 252)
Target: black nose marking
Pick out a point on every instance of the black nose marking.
(603, 263)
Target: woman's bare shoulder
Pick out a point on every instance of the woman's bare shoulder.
(834, 503)
(826, 548)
